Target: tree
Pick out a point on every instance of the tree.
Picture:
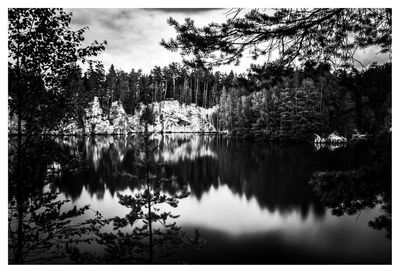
(148, 232)
(175, 71)
(42, 50)
(223, 111)
(132, 102)
(322, 35)
(48, 222)
(122, 87)
(111, 82)
(185, 90)
(77, 95)
(156, 76)
(95, 84)
(247, 115)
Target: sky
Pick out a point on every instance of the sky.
(133, 36)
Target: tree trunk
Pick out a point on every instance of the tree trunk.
(19, 188)
(197, 89)
(173, 83)
(321, 109)
(149, 196)
(205, 93)
(266, 110)
(165, 89)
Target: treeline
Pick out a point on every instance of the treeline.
(172, 82)
(294, 104)
(278, 103)
(270, 101)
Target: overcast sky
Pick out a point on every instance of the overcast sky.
(134, 35)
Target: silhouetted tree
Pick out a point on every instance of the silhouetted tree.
(319, 34)
(42, 51)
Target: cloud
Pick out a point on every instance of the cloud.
(370, 55)
(134, 35)
(186, 10)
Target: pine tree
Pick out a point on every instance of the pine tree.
(146, 234)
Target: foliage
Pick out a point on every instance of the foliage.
(148, 233)
(40, 223)
(42, 50)
(48, 227)
(296, 104)
(320, 34)
(43, 54)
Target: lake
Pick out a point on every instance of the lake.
(251, 201)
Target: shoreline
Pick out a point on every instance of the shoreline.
(222, 134)
(127, 134)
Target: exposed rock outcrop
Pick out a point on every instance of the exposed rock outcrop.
(95, 121)
(171, 116)
(332, 138)
(98, 123)
(335, 138)
(119, 119)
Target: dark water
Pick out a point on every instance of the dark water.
(251, 201)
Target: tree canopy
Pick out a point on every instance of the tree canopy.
(41, 41)
(295, 35)
(43, 52)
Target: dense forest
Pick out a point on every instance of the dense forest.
(276, 104)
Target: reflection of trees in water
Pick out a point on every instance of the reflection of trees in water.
(107, 165)
(329, 146)
(270, 174)
(148, 233)
(39, 225)
(354, 190)
(43, 229)
(275, 175)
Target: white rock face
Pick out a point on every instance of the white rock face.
(318, 139)
(171, 116)
(175, 117)
(95, 121)
(335, 138)
(119, 118)
(332, 138)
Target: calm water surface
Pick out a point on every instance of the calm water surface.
(250, 200)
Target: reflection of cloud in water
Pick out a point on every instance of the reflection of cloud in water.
(220, 209)
(273, 175)
(238, 188)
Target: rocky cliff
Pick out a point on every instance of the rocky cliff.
(171, 116)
